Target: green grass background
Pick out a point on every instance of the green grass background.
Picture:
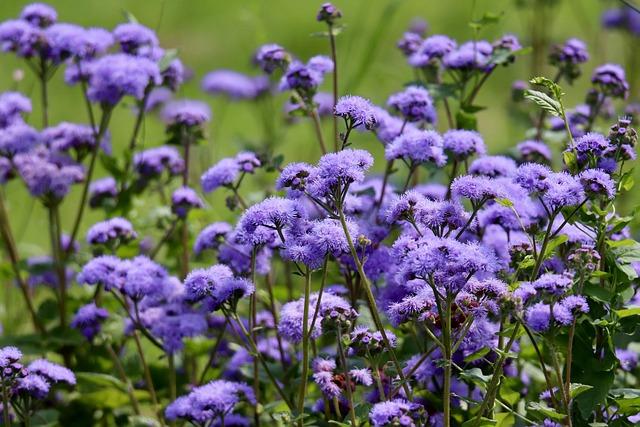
(213, 34)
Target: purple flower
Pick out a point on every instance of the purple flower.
(260, 224)
(132, 36)
(108, 271)
(12, 106)
(18, 138)
(342, 168)
(234, 85)
(431, 49)
(533, 177)
(9, 359)
(395, 412)
(223, 173)
(270, 57)
(493, 166)
(414, 104)
(183, 200)
(462, 144)
(573, 51)
(157, 98)
(628, 359)
(332, 383)
(211, 237)
(419, 146)
(294, 178)
(52, 372)
(210, 401)
(409, 43)
(142, 278)
(89, 319)
(553, 284)
(538, 317)
(420, 306)
(328, 13)
(186, 112)
(248, 161)
(596, 183)
(153, 162)
(111, 232)
(611, 80)
(102, 190)
(356, 110)
(534, 151)
(20, 37)
(563, 190)
(575, 304)
(216, 286)
(39, 15)
(114, 76)
(469, 56)
(33, 385)
(305, 78)
(66, 136)
(477, 188)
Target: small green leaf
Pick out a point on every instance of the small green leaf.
(626, 312)
(504, 202)
(167, 59)
(545, 410)
(576, 389)
(571, 160)
(483, 422)
(544, 101)
(477, 355)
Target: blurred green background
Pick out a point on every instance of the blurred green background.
(213, 34)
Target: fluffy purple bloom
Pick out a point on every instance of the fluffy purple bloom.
(225, 172)
(157, 98)
(477, 188)
(432, 48)
(259, 224)
(132, 36)
(414, 104)
(342, 168)
(573, 51)
(88, 320)
(186, 112)
(493, 166)
(153, 162)
(552, 284)
(248, 161)
(533, 177)
(234, 85)
(462, 144)
(9, 358)
(20, 37)
(210, 401)
(469, 56)
(33, 385)
(18, 138)
(107, 271)
(294, 178)
(143, 277)
(356, 110)
(47, 176)
(419, 146)
(216, 286)
(597, 182)
(39, 15)
(409, 43)
(420, 306)
(66, 136)
(53, 372)
(322, 238)
(270, 57)
(538, 317)
(575, 304)
(395, 412)
(111, 231)
(534, 151)
(91, 42)
(117, 75)
(101, 190)
(563, 190)
(611, 79)
(328, 13)
(12, 106)
(183, 200)
(211, 237)
(628, 359)
(305, 78)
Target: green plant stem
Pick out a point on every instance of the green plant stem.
(54, 234)
(274, 313)
(14, 258)
(5, 403)
(44, 92)
(213, 353)
(134, 135)
(378, 380)
(252, 328)
(313, 113)
(543, 365)
(305, 345)
(446, 341)
(332, 42)
(347, 378)
(373, 307)
(123, 377)
(320, 292)
(147, 377)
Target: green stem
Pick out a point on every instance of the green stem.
(313, 113)
(44, 93)
(5, 403)
(332, 42)
(147, 377)
(347, 378)
(305, 345)
(123, 377)
(446, 341)
(214, 352)
(252, 328)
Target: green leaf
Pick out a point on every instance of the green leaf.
(504, 202)
(130, 17)
(477, 355)
(554, 243)
(576, 389)
(626, 312)
(167, 59)
(597, 292)
(142, 421)
(571, 160)
(475, 376)
(466, 120)
(552, 86)
(545, 410)
(544, 101)
(482, 422)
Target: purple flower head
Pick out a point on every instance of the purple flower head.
(91, 42)
(12, 106)
(52, 372)
(18, 138)
(339, 169)
(322, 238)
(508, 42)
(305, 78)
(20, 37)
(234, 85)
(534, 151)
(591, 145)
(462, 144)
(66, 137)
(553, 284)
(211, 237)
(597, 183)
(294, 178)
(611, 80)
(431, 49)
(223, 173)
(365, 342)
(117, 75)
(628, 359)
(261, 223)
(409, 43)
(89, 319)
(10, 360)
(63, 41)
(397, 412)
(33, 385)
(132, 36)
(419, 146)
(186, 112)
(563, 190)
(183, 200)
(332, 383)
(270, 57)
(143, 277)
(356, 110)
(469, 56)
(113, 231)
(157, 98)
(39, 15)
(107, 271)
(573, 51)
(575, 304)
(477, 188)
(533, 177)
(414, 104)
(210, 401)
(200, 283)
(47, 176)
(102, 190)
(493, 166)
(420, 306)
(248, 161)
(153, 162)
(538, 317)
(328, 13)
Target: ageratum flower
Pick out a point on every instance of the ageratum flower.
(106, 270)
(20, 37)
(357, 111)
(33, 385)
(534, 151)
(573, 51)
(365, 342)
(477, 188)
(12, 106)
(113, 231)
(66, 137)
(469, 56)
(271, 57)
(332, 383)
(533, 177)
(186, 112)
(395, 412)
(133, 36)
(10, 361)
(328, 13)
(431, 49)
(493, 166)
(152, 163)
(102, 190)
(211, 237)
(305, 78)
(39, 15)
(226, 171)
(18, 138)
(52, 372)
(294, 178)
(628, 359)
(143, 278)
(215, 287)
(414, 104)
(209, 402)
(553, 284)
(89, 320)
(339, 169)
(597, 183)
(234, 85)
(420, 306)
(183, 200)
(409, 43)
(462, 144)
(115, 76)
(563, 190)
(417, 146)
(611, 80)
(262, 222)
